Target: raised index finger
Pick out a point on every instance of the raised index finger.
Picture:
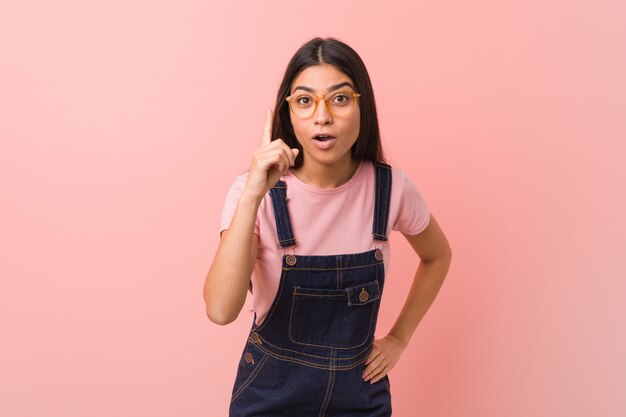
(267, 130)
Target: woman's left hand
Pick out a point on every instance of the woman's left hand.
(382, 358)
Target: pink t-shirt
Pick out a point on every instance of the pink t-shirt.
(325, 221)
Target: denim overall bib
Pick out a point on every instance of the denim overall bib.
(307, 357)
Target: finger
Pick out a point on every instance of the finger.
(273, 152)
(292, 153)
(267, 161)
(266, 137)
(295, 152)
(373, 353)
(373, 367)
(289, 152)
(378, 376)
(370, 358)
(291, 156)
(286, 151)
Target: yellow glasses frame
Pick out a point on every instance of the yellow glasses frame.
(318, 98)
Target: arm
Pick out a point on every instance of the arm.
(226, 284)
(435, 256)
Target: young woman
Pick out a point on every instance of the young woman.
(305, 229)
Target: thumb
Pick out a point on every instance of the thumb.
(295, 151)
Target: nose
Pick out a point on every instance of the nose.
(322, 116)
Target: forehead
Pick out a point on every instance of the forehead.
(320, 77)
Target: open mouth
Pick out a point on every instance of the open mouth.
(323, 137)
(324, 141)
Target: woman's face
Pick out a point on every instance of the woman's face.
(322, 79)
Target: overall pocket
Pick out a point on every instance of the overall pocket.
(333, 318)
(250, 365)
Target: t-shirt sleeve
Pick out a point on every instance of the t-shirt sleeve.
(230, 204)
(413, 213)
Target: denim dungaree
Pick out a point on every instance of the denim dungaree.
(307, 357)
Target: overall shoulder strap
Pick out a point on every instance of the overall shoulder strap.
(382, 199)
(281, 213)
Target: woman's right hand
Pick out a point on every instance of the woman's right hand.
(269, 162)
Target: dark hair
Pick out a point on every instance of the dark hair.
(319, 51)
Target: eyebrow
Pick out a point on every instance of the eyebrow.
(334, 87)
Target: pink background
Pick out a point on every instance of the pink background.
(122, 124)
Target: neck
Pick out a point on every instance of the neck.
(326, 175)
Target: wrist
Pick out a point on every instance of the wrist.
(250, 199)
(403, 342)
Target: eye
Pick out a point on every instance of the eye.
(341, 98)
(303, 100)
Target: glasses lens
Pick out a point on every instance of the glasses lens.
(340, 103)
(302, 105)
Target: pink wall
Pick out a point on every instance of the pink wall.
(123, 124)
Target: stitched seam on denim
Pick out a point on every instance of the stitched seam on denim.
(287, 242)
(285, 238)
(332, 346)
(380, 176)
(287, 218)
(384, 203)
(387, 204)
(379, 187)
(279, 197)
(293, 301)
(279, 202)
(277, 214)
(274, 305)
(251, 377)
(375, 220)
(331, 269)
(295, 292)
(283, 202)
(264, 341)
(340, 275)
(377, 208)
(323, 292)
(312, 364)
(331, 383)
(385, 217)
(373, 307)
(329, 390)
(275, 195)
(371, 299)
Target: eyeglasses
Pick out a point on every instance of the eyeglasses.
(338, 103)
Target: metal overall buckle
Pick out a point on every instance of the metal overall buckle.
(290, 259)
(379, 250)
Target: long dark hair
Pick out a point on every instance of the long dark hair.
(319, 51)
